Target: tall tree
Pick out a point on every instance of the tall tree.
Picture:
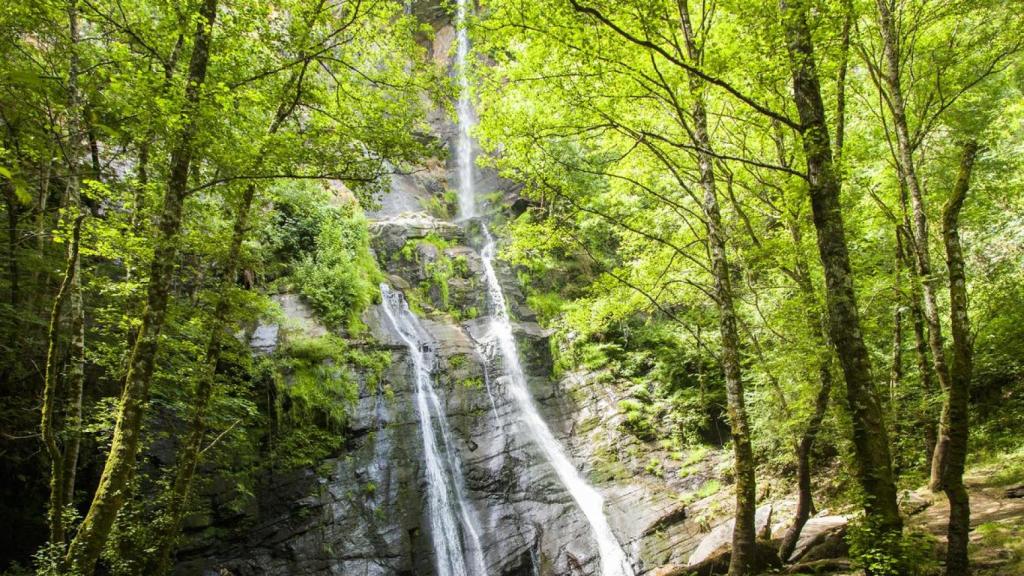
(919, 230)
(76, 309)
(871, 442)
(955, 425)
(744, 549)
(88, 543)
(48, 427)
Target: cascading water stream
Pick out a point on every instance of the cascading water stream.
(466, 116)
(453, 526)
(590, 502)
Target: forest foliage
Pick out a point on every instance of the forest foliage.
(213, 154)
(794, 229)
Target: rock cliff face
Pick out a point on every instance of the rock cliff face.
(363, 513)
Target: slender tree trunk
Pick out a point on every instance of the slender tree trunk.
(924, 415)
(805, 499)
(76, 308)
(870, 439)
(896, 353)
(13, 274)
(908, 173)
(819, 325)
(817, 322)
(47, 428)
(957, 425)
(744, 538)
(85, 549)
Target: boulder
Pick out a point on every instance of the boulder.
(720, 538)
(766, 558)
(913, 503)
(388, 236)
(821, 538)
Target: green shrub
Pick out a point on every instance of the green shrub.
(890, 554)
(339, 279)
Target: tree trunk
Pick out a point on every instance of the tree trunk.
(908, 174)
(744, 538)
(924, 416)
(13, 274)
(896, 353)
(88, 543)
(870, 439)
(76, 308)
(47, 428)
(957, 426)
(805, 500)
(818, 323)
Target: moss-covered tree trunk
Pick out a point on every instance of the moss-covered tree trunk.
(85, 549)
(744, 538)
(870, 439)
(47, 426)
(957, 426)
(817, 321)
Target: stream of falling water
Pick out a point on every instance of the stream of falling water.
(590, 502)
(613, 560)
(466, 116)
(453, 526)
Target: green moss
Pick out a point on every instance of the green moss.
(607, 466)
(589, 424)
(654, 467)
(709, 488)
(315, 380)
(457, 361)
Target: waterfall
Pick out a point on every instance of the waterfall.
(453, 526)
(613, 560)
(466, 116)
(590, 502)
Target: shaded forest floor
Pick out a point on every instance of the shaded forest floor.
(997, 523)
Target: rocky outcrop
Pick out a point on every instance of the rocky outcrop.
(363, 512)
(720, 538)
(823, 537)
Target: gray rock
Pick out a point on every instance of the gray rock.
(821, 537)
(720, 538)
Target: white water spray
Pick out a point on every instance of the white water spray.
(453, 526)
(466, 116)
(590, 502)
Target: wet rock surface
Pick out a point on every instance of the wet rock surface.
(363, 512)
